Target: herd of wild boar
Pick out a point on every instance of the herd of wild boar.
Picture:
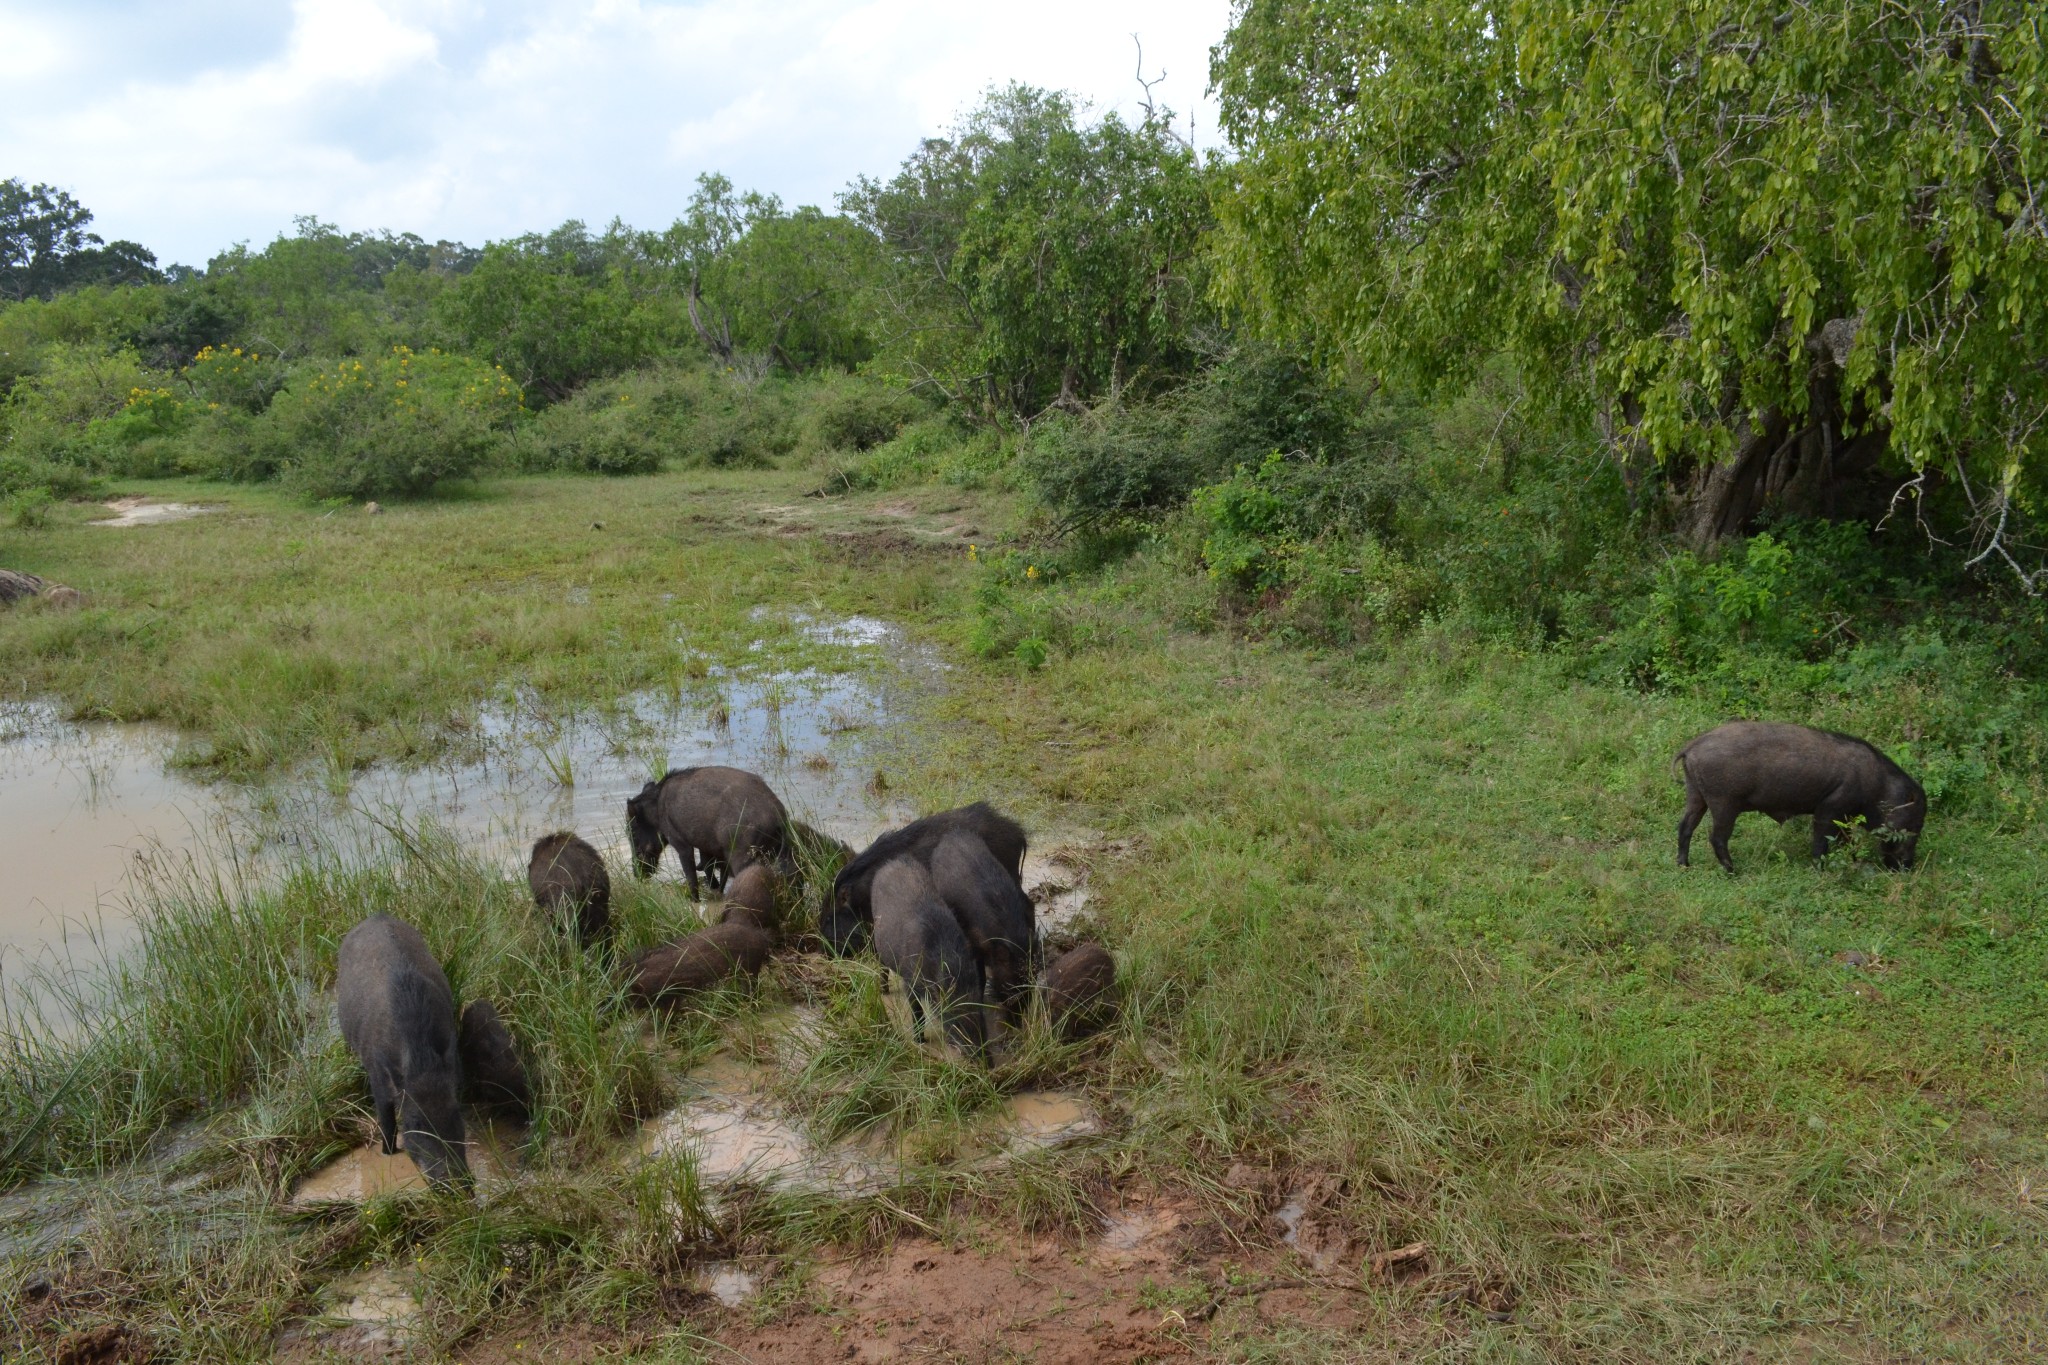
(940, 902)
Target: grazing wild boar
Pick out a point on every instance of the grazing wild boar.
(493, 1077)
(1079, 990)
(917, 937)
(997, 917)
(569, 882)
(398, 1017)
(845, 917)
(723, 813)
(665, 975)
(1788, 770)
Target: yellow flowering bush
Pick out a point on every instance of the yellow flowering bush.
(386, 425)
(228, 377)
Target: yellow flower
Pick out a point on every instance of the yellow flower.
(972, 554)
(1031, 571)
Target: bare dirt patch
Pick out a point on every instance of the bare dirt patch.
(1149, 1286)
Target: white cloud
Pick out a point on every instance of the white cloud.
(452, 118)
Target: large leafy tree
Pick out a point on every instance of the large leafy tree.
(761, 281)
(45, 246)
(1036, 259)
(1772, 246)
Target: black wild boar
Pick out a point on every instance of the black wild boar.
(997, 917)
(845, 917)
(493, 1077)
(664, 975)
(1079, 990)
(917, 937)
(1788, 770)
(398, 1017)
(723, 813)
(568, 880)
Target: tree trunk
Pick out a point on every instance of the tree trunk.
(1804, 470)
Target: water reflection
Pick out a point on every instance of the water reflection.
(87, 809)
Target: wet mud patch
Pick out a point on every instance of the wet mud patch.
(367, 1172)
(735, 1123)
(147, 512)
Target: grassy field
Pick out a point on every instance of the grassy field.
(1406, 918)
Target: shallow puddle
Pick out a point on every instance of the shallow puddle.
(90, 812)
(1128, 1231)
(738, 1132)
(366, 1173)
(1040, 1119)
(143, 512)
(731, 1124)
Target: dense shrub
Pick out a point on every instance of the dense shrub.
(857, 415)
(1121, 464)
(59, 414)
(602, 430)
(390, 425)
(229, 377)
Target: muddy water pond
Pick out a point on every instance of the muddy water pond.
(91, 815)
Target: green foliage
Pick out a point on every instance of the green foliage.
(45, 248)
(71, 410)
(392, 425)
(229, 377)
(762, 282)
(1131, 463)
(555, 311)
(1035, 259)
(939, 449)
(599, 431)
(1015, 617)
(99, 315)
(1658, 211)
(858, 415)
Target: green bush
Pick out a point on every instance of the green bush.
(1119, 465)
(856, 415)
(61, 413)
(387, 426)
(228, 377)
(599, 431)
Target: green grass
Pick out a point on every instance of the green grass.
(1407, 916)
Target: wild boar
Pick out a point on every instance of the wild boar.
(398, 1018)
(493, 1077)
(1788, 770)
(667, 974)
(917, 937)
(1079, 990)
(997, 917)
(726, 814)
(568, 880)
(845, 917)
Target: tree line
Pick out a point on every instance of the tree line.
(1768, 263)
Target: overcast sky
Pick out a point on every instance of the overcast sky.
(191, 125)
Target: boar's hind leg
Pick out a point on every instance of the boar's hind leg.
(1724, 825)
(1695, 807)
